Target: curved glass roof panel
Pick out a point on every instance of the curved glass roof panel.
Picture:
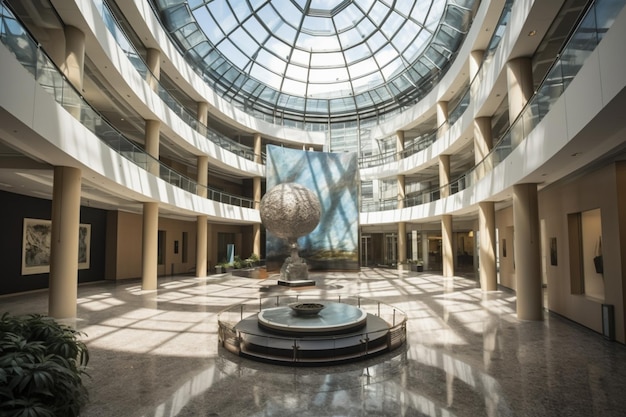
(324, 59)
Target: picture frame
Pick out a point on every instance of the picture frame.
(36, 239)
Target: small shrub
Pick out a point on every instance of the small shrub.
(41, 367)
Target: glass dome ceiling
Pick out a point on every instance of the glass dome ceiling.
(319, 60)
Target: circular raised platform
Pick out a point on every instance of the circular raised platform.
(333, 318)
(339, 332)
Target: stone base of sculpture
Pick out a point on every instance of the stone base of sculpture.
(295, 273)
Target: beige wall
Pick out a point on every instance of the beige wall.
(124, 246)
(173, 262)
(596, 190)
(123, 257)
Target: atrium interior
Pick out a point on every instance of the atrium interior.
(490, 145)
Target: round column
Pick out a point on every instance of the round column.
(527, 245)
(256, 228)
(257, 148)
(151, 137)
(202, 113)
(401, 191)
(153, 61)
(446, 245)
(401, 243)
(483, 143)
(74, 66)
(201, 246)
(487, 249)
(64, 243)
(203, 176)
(444, 175)
(442, 118)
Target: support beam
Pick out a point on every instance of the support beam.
(64, 242)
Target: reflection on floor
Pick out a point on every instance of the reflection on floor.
(156, 354)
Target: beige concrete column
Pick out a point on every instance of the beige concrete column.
(401, 191)
(202, 113)
(149, 254)
(73, 67)
(519, 79)
(401, 243)
(153, 61)
(487, 249)
(256, 239)
(203, 176)
(425, 250)
(447, 253)
(483, 143)
(201, 246)
(256, 192)
(442, 118)
(256, 228)
(475, 61)
(74, 56)
(64, 243)
(257, 148)
(151, 145)
(444, 175)
(399, 143)
(54, 46)
(527, 256)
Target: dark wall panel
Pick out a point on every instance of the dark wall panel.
(13, 209)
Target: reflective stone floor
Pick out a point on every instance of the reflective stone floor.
(156, 354)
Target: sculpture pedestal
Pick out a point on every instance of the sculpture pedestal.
(295, 273)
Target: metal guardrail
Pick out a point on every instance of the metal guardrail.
(235, 339)
(35, 60)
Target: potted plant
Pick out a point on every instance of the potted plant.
(419, 265)
(42, 364)
(252, 260)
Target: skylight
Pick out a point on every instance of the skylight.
(318, 58)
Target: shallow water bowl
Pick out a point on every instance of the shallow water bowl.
(306, 309)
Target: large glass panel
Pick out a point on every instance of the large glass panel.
(319, 50)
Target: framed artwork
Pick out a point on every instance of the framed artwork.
(504, 248)
(36, 239)
(553, 255)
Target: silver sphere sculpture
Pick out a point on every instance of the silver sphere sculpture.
(290, 210)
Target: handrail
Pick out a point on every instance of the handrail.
(232, 337)
(564, 68)
(35, 60)
(112, 24)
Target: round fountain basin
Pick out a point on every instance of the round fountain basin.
(328, 318)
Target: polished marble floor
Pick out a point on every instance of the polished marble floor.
(156, 354)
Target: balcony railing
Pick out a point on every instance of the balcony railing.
(34, 59)
(115, 28)
(582, 42)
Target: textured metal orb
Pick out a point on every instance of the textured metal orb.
(290, 210)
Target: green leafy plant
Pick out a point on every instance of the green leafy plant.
(237, 262)
(252, 260)
(42, 364)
